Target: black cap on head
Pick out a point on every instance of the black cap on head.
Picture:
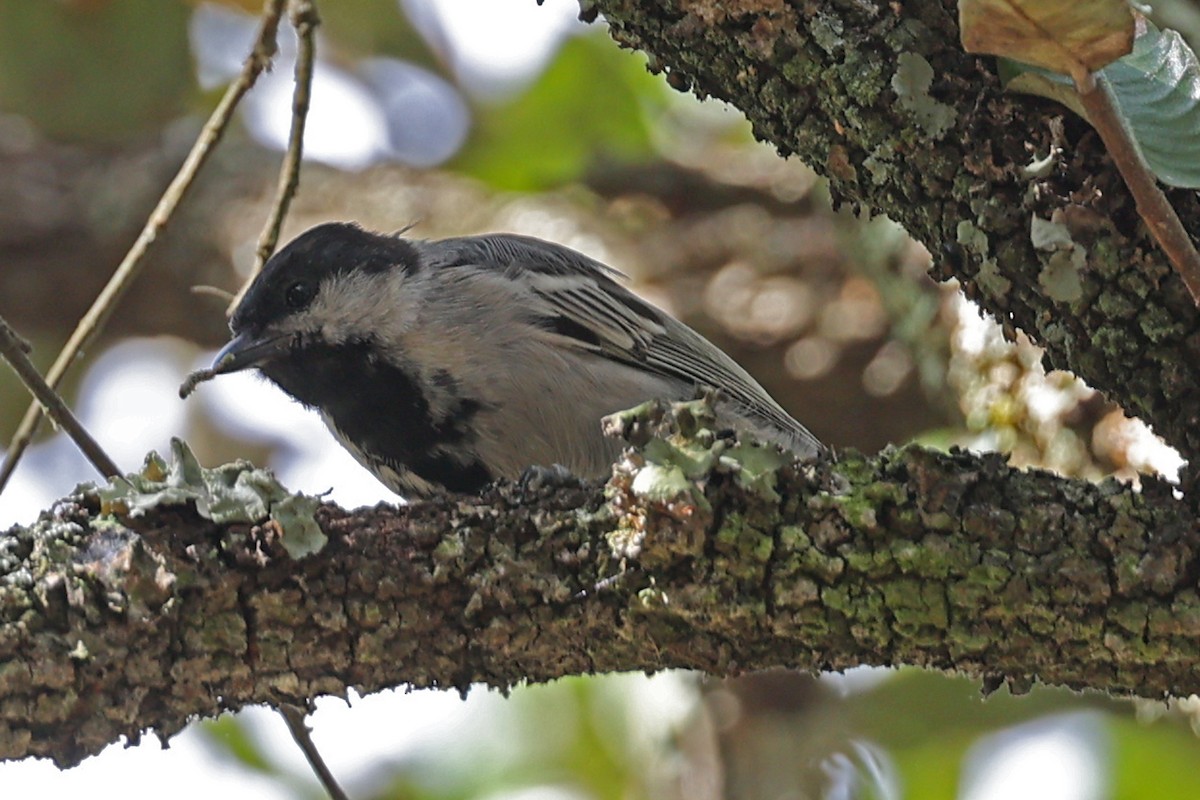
(290, 279)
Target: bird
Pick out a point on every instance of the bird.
(450, 364)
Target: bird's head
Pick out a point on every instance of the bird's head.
(333, 286)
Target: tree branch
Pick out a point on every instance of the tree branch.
(14, 349)
(111, 626)
(880, 97)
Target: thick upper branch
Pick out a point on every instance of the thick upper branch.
(110, 627)
(880, 97)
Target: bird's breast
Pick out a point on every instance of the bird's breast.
(387, 415)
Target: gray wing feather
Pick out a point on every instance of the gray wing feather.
(579, 301)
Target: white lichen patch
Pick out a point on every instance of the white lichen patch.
(1059, 277)
(911, 83)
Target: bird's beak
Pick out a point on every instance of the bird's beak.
(246, 351)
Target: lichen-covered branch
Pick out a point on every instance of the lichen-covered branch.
(880, 97)
(699, 553)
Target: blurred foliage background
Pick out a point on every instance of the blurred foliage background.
(459, 116)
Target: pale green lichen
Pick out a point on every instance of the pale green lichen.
(677, 453)
(448, 551)
(1049, 235)
(236, 492)
(858, 511)
(964, 642)
(870, 563)
(879, 164)
(991, 279)
(663, 483)
(911, 83)
(1060, 276)
(975, 240)
(838, 598)
(296, 515)
(679, 447)
(972, 238)
(755, 468)
(827, 31)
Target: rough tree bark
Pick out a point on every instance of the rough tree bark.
(691, 558)
(112, 626)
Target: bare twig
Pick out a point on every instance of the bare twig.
(300, 732)
(96, 317)
(203, 290)
(13, 349)
(1156, 211)
(304, 17)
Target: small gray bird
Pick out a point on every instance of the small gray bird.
(456, 362)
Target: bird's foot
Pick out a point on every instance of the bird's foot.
(535, 478)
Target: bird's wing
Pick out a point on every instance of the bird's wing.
(577, 300)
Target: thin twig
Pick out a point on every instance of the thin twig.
(96, 317)
(203, 290)
(13, 348)
(300, 732)
(1156, 211)
(304, 18)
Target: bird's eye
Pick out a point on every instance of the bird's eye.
(299, 295)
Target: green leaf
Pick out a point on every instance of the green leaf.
(228, 736)
(95, 71)
(1153, 760)
(593, 102)
(1156, 90)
